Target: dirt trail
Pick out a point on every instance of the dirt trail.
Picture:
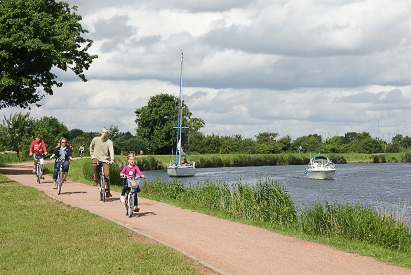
(225, 246)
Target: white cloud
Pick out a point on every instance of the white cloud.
(292, 67)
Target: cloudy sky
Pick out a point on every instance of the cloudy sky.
(292, 67)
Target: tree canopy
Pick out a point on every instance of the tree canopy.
(16, 132)
(35, 36)
(157, 122)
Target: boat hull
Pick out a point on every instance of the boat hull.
(181, 170)
(320, 174)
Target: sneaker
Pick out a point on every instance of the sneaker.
(108, 195)
(34, 170)
(95, 183)
(123, 198)
(55, 186)
(64, 179)
(42, 177)
(136, 209)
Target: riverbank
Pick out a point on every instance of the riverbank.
(232, 247)
(219, 196)
(159, 162)
(241, 160)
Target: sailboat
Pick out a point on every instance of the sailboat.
(180, 168)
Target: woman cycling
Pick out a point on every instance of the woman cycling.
(62, 152)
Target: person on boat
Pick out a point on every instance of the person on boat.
(184, 161)
(300, 149)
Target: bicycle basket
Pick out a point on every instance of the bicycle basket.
(39, 156)
(133, 183)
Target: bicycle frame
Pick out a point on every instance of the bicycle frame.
(102, 185)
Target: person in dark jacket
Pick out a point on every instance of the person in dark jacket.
(64, 153)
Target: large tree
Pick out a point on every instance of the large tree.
(35, 37)
(156, 123)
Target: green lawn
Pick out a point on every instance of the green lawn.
(42, 236)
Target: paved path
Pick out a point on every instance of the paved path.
(227, 247)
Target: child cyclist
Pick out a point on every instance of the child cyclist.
(131, 171)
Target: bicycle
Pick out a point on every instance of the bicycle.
(102, 185)
(60, 176)
(133, 184)
(38, 167)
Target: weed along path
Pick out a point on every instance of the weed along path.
(225, 246)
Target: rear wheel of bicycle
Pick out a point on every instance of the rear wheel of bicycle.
(59, 182)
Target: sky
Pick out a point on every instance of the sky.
(295, 68)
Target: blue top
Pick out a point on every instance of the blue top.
(66, 153)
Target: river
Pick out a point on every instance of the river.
(382, 186)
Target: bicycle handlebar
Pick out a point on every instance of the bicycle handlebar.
(101, 162)
(132, 178)
(39, 156)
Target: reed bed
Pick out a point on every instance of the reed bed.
(356, 222)
(267, 202)
(240, 160)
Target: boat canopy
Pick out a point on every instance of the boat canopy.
(320, 157)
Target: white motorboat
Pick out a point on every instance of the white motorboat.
(320, 167)
(180, 168)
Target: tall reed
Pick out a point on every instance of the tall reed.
(268, 201)
(356, 223)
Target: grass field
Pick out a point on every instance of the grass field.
(42, 236)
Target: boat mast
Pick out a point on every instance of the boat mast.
(178, 156)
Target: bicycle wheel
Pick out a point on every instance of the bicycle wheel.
(130, 204)
(103, 188)
(126, 203)
(38, 174)
(59, 182)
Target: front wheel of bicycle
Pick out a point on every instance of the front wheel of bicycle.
(38, 174)
(130, 203)
(103, 188)
(59, 182)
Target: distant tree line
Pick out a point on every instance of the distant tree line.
(17, 132)
(269, 143)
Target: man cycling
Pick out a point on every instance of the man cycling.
(38, 147)
(101, 148)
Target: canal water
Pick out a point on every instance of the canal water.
(382, 186)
